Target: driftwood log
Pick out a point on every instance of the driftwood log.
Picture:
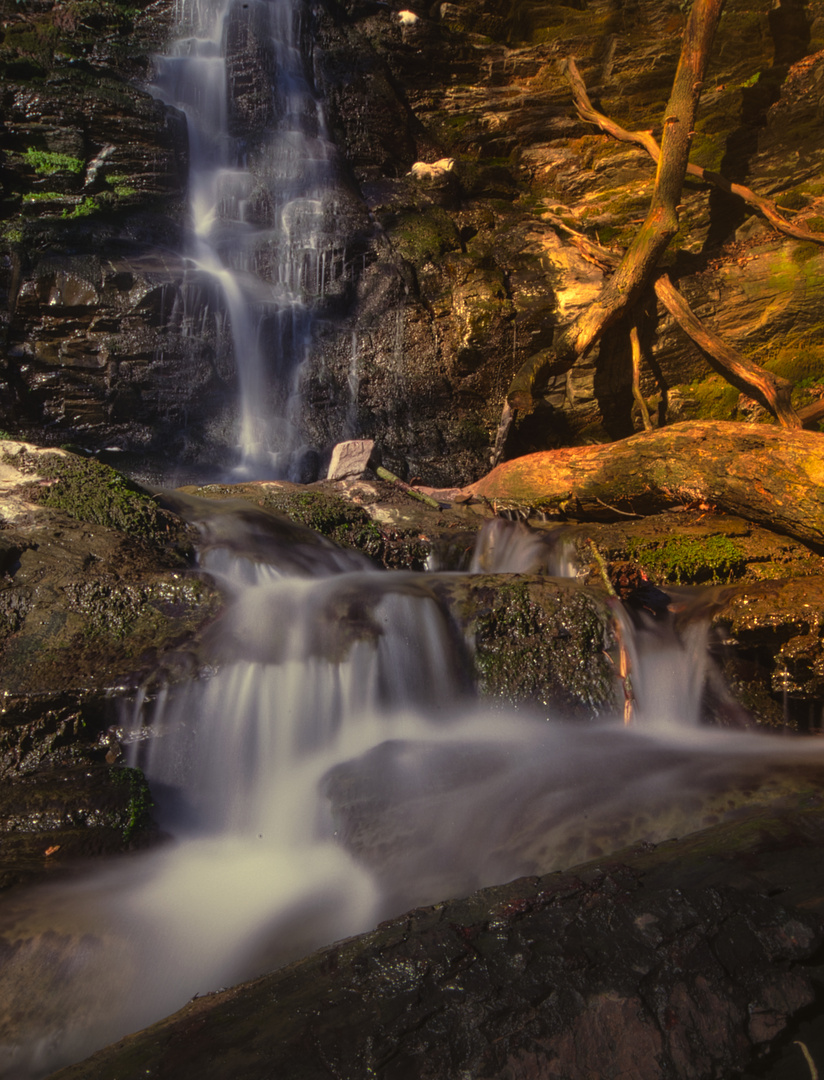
(765, 474)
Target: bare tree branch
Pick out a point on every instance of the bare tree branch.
(771, 390)
(645, 139)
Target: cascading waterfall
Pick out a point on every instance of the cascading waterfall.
(262, 192)
(329, 768)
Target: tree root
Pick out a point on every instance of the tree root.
(647, 141)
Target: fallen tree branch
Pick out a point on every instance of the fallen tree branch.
(647, 141)
(771, 390)
(770, 475)
(661, 223)
(385, 474)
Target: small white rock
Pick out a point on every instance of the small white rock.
(350, 458)
(422, 170)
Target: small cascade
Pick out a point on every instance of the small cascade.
(263, 183)
(505, 547)
(331, 767)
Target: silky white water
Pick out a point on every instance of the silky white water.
(331, 767)
(262, 243)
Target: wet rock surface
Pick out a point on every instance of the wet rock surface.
(97, 589)
(676, 960)
(451, 279)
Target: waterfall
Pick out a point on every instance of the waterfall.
(330, 767)
(263, 187)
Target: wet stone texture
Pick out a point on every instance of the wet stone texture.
(599, 973)
(96, 598)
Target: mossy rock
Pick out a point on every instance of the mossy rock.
(690, 560)
(333, 516)
(88, 490)
(424, 235)
(536, 641)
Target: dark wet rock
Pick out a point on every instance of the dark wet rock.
(97, 595)
(55, 816)
(445, 288)
(673, 961)
(535, 641)
(773, 648)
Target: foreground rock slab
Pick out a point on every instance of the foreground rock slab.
(674, 962)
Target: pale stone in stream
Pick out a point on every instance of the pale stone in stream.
(350, 458)
(13, 503)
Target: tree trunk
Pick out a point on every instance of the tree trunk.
(766, 474)
(661, 223)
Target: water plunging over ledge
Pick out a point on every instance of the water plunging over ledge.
(331, 767)
(263, 244)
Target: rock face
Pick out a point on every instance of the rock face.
(96, 590)
(462, 168)
(658, 967)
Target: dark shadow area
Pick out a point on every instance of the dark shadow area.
(790, 30)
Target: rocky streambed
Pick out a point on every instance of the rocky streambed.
(102, 601)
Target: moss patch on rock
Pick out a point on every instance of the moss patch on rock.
(689, 559)
(88, 490)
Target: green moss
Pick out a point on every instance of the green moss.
(46, 164)
(41, 196)
(137, 816)
(802, 253)
(423, 237)
(11, 233)
(689, 559)
(329, 515)
(800, 360)
(86, 208)
(87, 490)
(792, 200)
(707, 150)
(715, 398)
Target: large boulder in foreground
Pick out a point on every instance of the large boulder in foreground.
(675, 962)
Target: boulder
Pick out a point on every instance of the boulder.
(677, 960)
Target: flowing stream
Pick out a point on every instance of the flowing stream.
(332, 767)
(263, 246)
